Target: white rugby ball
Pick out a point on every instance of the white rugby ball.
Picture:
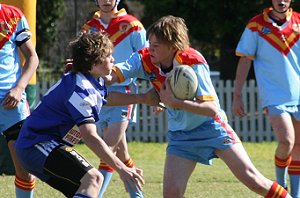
(183, 81)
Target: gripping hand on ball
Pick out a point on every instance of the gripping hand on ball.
(167, 96)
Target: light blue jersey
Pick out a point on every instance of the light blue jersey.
(177, 119)
(14, 32)
(274, 51)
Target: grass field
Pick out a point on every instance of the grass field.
(214, 181)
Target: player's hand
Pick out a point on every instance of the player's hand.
(238, 106)
(166, 94)
(68, 66)
(158, 109)
(12, 98)
(133, 179)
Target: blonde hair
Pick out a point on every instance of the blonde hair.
(171, 31)
(90, 49)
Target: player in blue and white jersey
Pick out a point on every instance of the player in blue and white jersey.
(14, 78)
(66, 114)
(271, 40)
(198, 130)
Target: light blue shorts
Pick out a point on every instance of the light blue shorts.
(114, 114)
(9, 117)
(199, 144)
(292, 110)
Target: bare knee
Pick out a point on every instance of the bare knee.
(173, 191)
(93, 178)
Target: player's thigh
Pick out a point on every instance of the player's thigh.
(115, 132)
(283, 127)
(177, 171)
(65, 167)
(238, 161)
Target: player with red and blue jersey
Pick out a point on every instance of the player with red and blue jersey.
(128, 35)
(271, 40)
(198, 130)
(14, 37)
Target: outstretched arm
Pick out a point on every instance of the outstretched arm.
(100, 148)
(151, 98)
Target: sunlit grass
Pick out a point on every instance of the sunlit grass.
(214, 181)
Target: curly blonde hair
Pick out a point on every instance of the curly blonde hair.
(171, 31)
(88, 50)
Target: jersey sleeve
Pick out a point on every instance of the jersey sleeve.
(131, 68)
(248, 44)
(205, 89)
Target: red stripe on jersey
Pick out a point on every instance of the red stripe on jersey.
(189, 57)
(155, 75)
(9, 18)
(119, 27)
(283, 40)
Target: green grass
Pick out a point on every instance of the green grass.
(206, 181)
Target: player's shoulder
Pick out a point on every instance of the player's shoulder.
(11, 10)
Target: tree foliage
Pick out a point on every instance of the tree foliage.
(214, 26)
(48, 15)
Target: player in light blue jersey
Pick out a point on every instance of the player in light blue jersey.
(128, 35)
(197, 130)
(272, 41)
(14, 38)
(66, 114)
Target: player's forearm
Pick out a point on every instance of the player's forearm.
(30, 66)
(241, 75)
(120, 99)
(99, 147)
(206, 108)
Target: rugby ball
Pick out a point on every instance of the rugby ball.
(183, 81)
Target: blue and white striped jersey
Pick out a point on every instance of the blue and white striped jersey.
(73, 100)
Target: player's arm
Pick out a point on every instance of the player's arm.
(242, 71)
(13, 97)
(121, 99)
(100, 148)
(206, 108)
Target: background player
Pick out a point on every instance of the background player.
(15, 36)
(271, 41)
(128, 35)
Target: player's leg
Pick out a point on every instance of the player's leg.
(86, 176)
(12, 123)
(283, 128)
(294, 167)
(123, 155)
(112, 136)
(62, 168)
(241, 166)
(176, 174)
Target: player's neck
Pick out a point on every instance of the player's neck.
(107, 16)
(278, 16)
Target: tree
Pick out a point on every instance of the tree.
(48, 15)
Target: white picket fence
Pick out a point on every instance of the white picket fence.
(150, 128)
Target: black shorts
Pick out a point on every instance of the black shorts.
(66, 167)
